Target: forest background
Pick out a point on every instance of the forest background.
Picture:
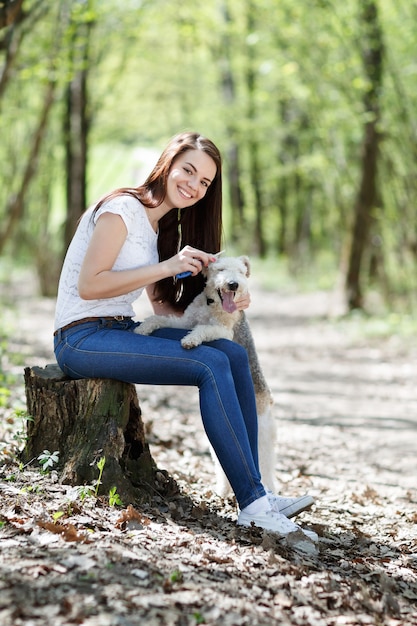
(311, 103)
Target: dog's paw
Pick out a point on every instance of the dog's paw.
(147, 327)
(190, 341)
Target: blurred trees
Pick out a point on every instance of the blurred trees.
(311, 104)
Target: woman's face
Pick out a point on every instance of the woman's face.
(189, 178)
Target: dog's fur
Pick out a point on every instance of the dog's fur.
(213, 315)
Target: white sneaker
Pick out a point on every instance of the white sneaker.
(290, 507)
(275, 522)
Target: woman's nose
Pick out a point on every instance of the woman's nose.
(192, 182)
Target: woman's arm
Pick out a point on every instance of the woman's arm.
(98, 280)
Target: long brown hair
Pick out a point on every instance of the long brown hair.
(199, 226)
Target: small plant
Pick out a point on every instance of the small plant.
(32, 489)
(85, 492)
(48, 459)
(199, 619)
(100, 466)
(57, 515)
(176, 576)
(114, 498)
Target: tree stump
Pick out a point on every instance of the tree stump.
(85, 420)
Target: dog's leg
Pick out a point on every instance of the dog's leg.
(267, 448)
(223, 487)
(205, 333)
(154, 322)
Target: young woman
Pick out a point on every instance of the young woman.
(142, 237)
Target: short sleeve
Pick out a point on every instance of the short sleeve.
(125, 206)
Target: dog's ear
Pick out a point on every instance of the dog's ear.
(245, 260)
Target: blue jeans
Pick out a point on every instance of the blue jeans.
(220, 370)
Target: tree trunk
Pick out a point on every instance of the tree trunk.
(11, 45)
(16, 203)
(76, 128)
(228, 88)
(10, 12)
(236, 192)
(367, 193)
(85, 420)
(253, 142)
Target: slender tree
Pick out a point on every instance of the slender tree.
(17, 202)
(372, 55)
(254, 148)
(233, 148)
(76, 123)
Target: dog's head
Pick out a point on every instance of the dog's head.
(225, 278)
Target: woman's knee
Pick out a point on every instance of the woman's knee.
(234, 351)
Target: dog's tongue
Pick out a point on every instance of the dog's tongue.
(228, 302)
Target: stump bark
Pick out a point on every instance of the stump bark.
(85, 420)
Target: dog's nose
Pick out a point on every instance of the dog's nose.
(233, 286)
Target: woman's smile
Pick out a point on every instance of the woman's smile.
(183, 192)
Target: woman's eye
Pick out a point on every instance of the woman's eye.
(204, 183)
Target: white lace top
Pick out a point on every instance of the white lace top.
(139, 249)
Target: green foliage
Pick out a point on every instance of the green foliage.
(176, 576)
(85, 492)
(92, 492)
(380, 326)
(100, 466)
(281, 82)
(48, 459)
(114, 498)
(57, 515)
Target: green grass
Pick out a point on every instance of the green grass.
(390, 325)
(274, 274)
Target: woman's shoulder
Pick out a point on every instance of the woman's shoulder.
(124, 204)
(121, 201)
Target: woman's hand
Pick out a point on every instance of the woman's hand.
(190, 259)
(242, 302)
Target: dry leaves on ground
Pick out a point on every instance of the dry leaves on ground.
(347, 424)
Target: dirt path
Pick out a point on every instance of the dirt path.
(346, 409)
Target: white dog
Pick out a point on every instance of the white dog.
(213, 315)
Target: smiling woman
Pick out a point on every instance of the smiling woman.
(190, 176)
(143, 237)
